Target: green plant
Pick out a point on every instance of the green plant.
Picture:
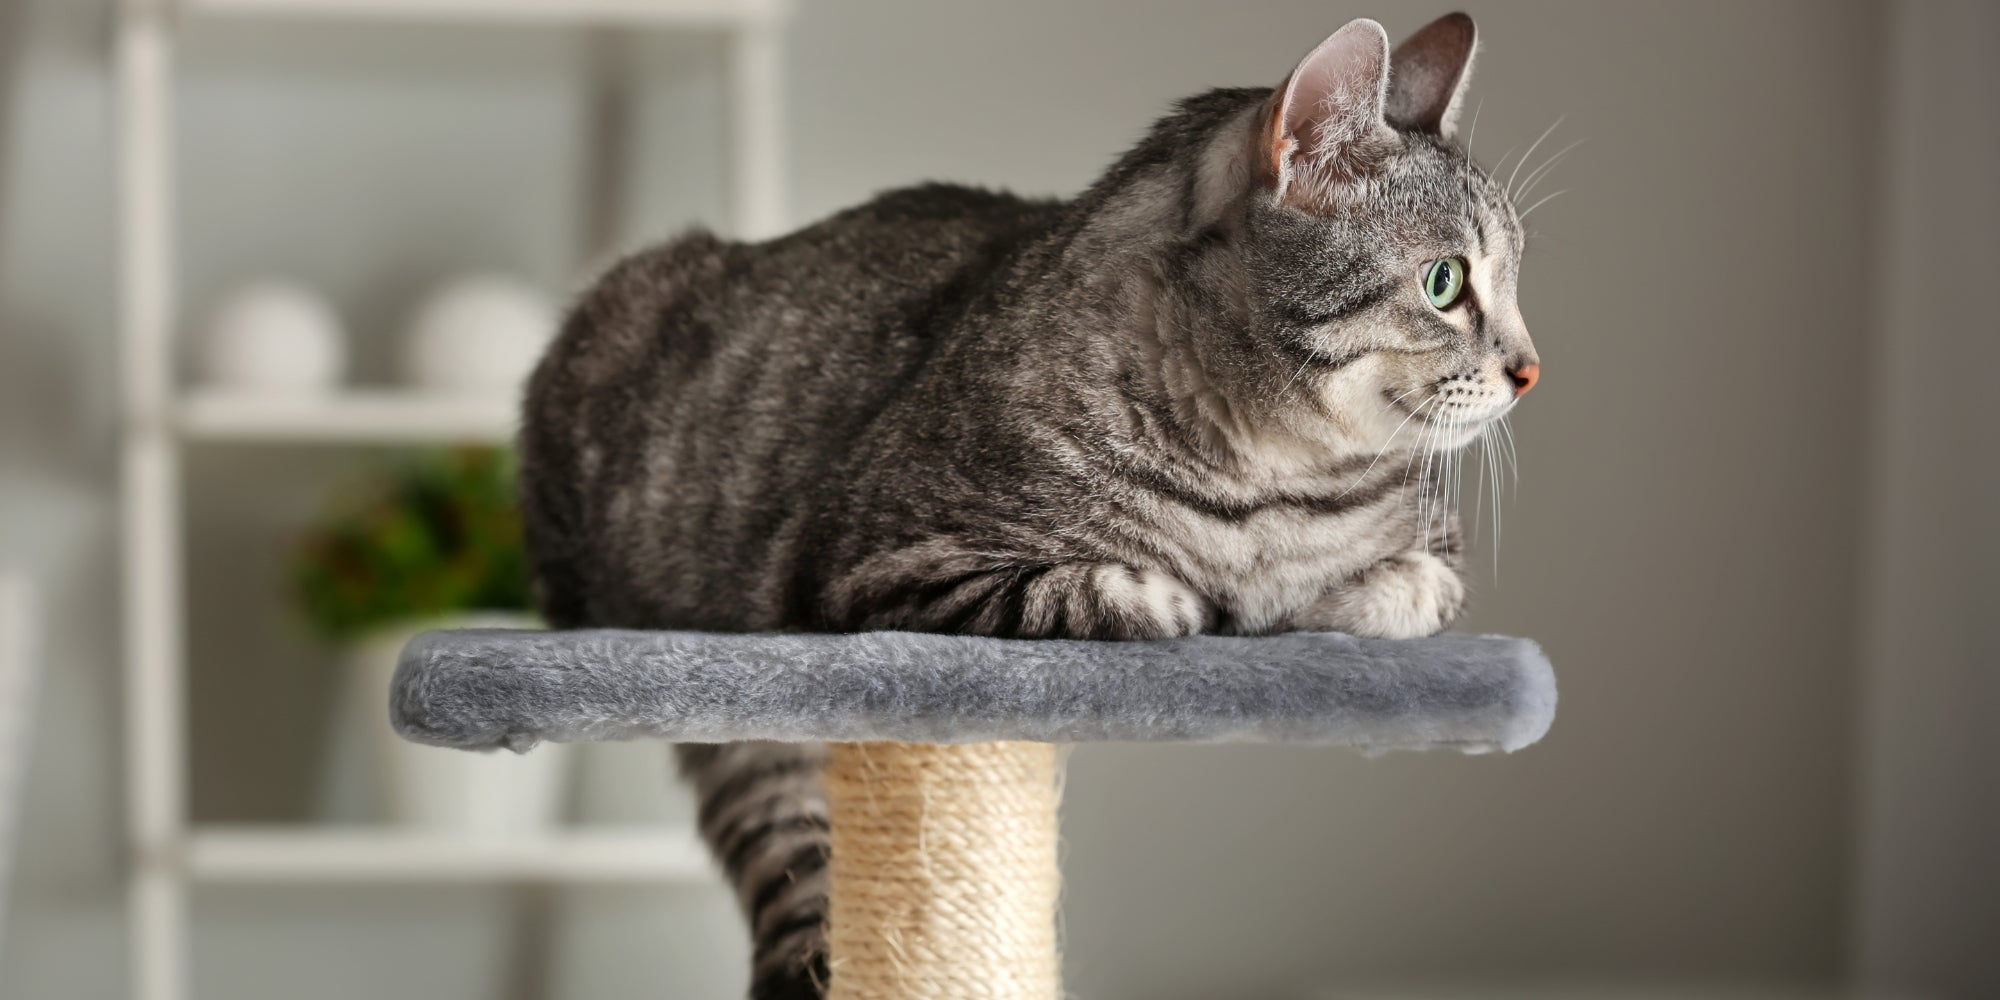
(440, 534)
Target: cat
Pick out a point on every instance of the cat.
(1176, 403)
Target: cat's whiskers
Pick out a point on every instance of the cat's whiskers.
(1407, 393)
(1422, 435)
(1430, 489)
(1545, 200)
(1493, 475)
(1501, 163)
(1422, 451)
(1516, 172)
(1488, 460)
(1447, 499)
(1449, 509)
(1458, 456)
(1294, 379)
(1479, 484)
(1503, 449)
(1541, 173)
(1424, 480)
(1441, 495)
(1363, 477)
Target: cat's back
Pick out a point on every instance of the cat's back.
(903, 246)
(875, 279)
(703, 391)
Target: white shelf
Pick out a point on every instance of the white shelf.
(357, 416)
(167, 852)
(277, 855)
(637, 13)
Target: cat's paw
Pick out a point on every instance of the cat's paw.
(1148, 604)
(1403, 597)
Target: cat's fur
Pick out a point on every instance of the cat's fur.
(1190, 399)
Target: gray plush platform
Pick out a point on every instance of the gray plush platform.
(488, 688)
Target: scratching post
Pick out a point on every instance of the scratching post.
(943, 880)
(942, 780)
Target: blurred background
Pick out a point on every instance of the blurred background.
(1754, 527)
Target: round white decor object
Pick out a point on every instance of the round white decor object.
(478, 334)
(273, 336)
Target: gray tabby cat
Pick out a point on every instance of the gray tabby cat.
(1174, 404)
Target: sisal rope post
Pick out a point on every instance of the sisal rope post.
(944, 878)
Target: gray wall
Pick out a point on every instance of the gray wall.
(1682, 542)
(1684, 539)
(1928, 895)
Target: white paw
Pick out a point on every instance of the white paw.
(1404, 597)
(1167, 606)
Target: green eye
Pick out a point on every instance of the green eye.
(1444, 281)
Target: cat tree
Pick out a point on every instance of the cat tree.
(943, 777)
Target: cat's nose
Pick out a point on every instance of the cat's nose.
(1525, 377)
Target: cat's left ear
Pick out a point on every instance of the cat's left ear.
(1428, 74)
(1326, 121)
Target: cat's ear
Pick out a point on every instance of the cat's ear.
(1428, 74)
(1329, 112)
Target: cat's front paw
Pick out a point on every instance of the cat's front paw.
(1403, 597)
(1169, 607)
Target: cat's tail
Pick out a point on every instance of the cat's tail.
(763, 813)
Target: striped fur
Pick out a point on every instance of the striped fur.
(763, 813)
(1207, 394)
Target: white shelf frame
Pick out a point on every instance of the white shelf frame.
(354, 416)
(167, 853)
(20, 679)
(563, 13)
(256, 855)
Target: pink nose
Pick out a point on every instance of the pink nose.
(1525, 378)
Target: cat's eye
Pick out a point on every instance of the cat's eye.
(1444, 281)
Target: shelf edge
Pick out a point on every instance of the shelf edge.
(248, 855)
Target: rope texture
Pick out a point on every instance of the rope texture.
(944, 880)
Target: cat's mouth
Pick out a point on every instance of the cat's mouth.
(1452, 415)
(1452, 403)
(1479, 417)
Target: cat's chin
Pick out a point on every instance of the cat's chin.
(1435, 435)
(1458, 434)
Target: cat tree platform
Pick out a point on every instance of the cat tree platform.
(942, 782)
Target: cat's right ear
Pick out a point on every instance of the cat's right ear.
(1428, 74)
(1327, 121)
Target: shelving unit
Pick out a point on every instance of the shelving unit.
(20, 677)
(168, 853)
(355, 416)
(263, 855)
(571, 13)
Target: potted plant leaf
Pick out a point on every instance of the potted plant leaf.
(433, 543)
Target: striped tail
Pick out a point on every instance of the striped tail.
(763, 813)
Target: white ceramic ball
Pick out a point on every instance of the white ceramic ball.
(273, 336)
(478, 334)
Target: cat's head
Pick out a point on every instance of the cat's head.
(1380, 261)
